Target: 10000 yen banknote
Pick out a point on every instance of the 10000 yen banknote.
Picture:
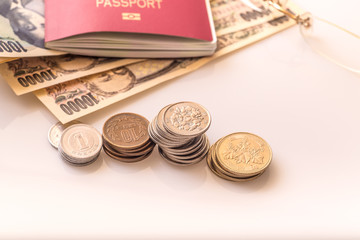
(233, 15)
(74, 99)
(22, 29)
(29, 74)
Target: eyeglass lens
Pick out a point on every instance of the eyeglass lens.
(329, 40)
(333, 42)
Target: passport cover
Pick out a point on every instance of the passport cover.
(182, 18)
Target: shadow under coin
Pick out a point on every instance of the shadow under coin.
(265, 181)
(184, 178)
(93, 167)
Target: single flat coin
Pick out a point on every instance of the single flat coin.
(56, 131)
(187, 119)
(243, 154)
(80, 143)
(126, 131)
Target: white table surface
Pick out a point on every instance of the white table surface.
(307, 108)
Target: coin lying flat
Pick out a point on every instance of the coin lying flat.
(80, 144)
(239, 157)
(126, 138)
(56, 131)
(179, 130)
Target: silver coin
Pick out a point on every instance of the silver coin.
(159, 126)
(80, 144)
(56, 131)
(162, 139)
(186, 119)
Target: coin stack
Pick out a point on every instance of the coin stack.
(239, 157)
(126, 138)
(179, 130)
(80, 145)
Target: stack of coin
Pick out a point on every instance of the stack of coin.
(239, 157)
(80, 144)
(179, 130)
(126, 138)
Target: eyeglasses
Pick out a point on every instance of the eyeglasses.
(328, 39)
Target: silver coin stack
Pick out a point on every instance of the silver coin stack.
(179, 130)
(80, 145)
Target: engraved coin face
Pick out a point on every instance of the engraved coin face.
(126, 130)
(56, 131)
(186, 119)
(243, 154)
(81, 143)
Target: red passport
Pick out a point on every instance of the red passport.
(130, 28)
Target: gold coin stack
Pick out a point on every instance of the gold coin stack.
(125, 138)
(239, 157)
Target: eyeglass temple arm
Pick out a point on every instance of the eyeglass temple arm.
(297, 17)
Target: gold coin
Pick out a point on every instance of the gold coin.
(243, 154)
(218, 167)
(223, 171)
(215, 170)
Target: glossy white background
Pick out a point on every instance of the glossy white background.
(307, 108)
